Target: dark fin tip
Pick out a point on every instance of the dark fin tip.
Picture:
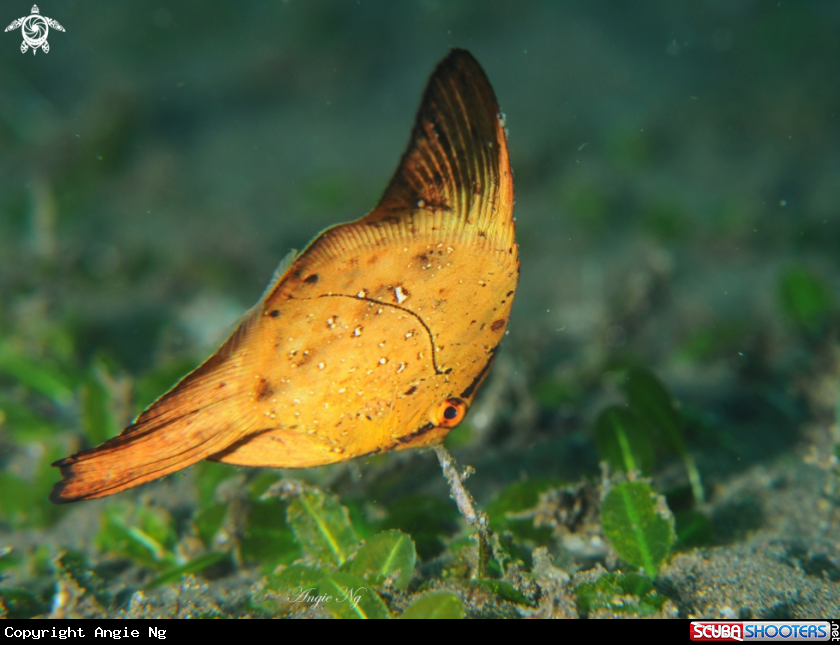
(57, 494)
(448, 153)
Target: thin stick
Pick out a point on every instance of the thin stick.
(466, 505)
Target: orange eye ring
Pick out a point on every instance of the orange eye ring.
(449, 413)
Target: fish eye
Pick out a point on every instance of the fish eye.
(449, 413)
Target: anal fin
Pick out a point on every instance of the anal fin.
(199, 417)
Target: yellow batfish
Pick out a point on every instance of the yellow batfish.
(375, 338)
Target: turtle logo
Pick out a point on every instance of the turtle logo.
(35, 28)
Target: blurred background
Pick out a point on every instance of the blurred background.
(677, 176)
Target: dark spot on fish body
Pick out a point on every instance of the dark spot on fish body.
(274, 313)
(417, 433)
(498, 324)
(471, 388)
(509, 293)
(312, 279)
(411, 390)
(264, 390)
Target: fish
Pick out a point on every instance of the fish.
(376, 337)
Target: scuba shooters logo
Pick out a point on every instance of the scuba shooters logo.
(764, 630)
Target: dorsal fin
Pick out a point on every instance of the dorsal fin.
(457, 158)
(279, 272)
(237, 332)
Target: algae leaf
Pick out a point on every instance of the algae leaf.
(294, 580)
(503, 589)
(804, 298)
(655, 407)
(437, 604)
(8, 559)
(23, 501)
(638, 524)
(20, 603)
(195, 565)
(268, 539)
(622, 441)
(630, 594)
(345, 596)
(145, 535)
(387, 554)
(295, 587)
(693, 529)
(208, 521)
(21, 424)
(40, 376)
(208, 475)
(515, 499)
(429, 521)
(519, 496)
(322, 526)
(97, 418)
